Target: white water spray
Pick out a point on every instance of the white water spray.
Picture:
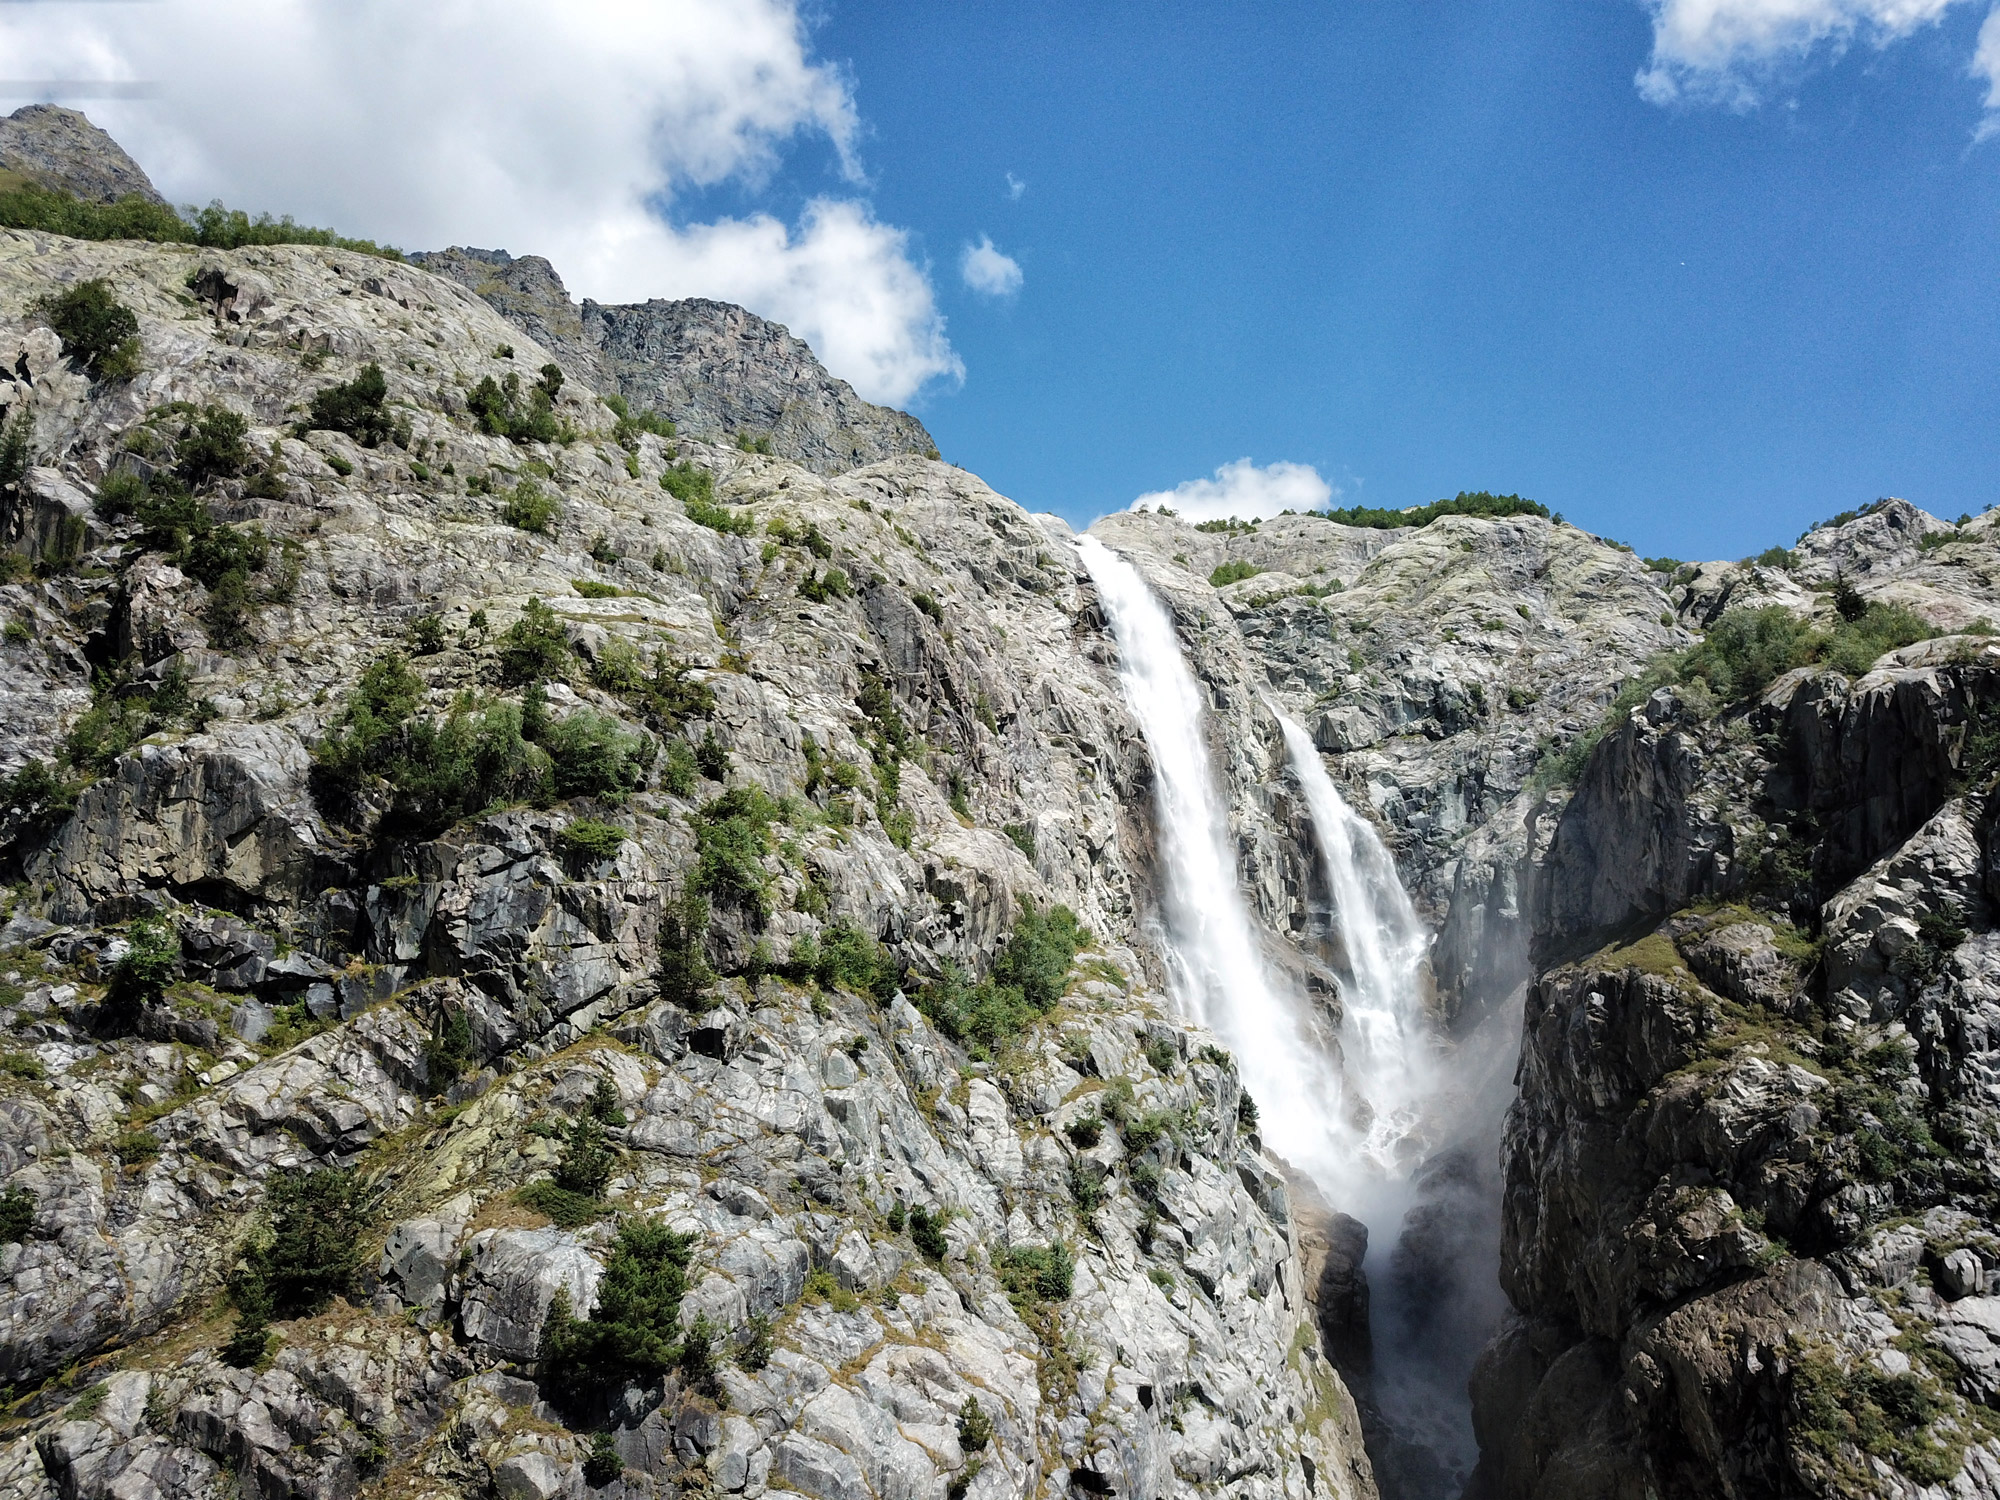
(1383, 1028)
(1223, 978)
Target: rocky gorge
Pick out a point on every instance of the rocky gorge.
(587, 916)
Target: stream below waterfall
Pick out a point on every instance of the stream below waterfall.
(1395, 1128)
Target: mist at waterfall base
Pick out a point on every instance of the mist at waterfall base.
(1389, 1134)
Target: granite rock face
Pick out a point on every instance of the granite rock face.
(59, 148)
(717, 371)
(788, 1122)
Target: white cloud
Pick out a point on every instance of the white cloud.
(1725, 51)
(1015, 188)
(1986, 64)
(1244, 491)
(566, 131)
(988, 271)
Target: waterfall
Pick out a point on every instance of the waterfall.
(1383, 1028)
(1220, 973)
(1352, 1112)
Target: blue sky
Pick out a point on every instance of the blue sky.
(1426, 248)
(1695, 273)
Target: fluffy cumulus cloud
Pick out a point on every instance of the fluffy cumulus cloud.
(1245, 491)
(567, 131)
(1986, 65)
(1728, 51)
(988, 271)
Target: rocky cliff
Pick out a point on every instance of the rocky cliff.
(59, 148)
(445, 856)
(719, 373)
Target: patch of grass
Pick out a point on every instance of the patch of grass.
(590, 588)
(23, 1065)
(567, 1210)
(1908, 1420)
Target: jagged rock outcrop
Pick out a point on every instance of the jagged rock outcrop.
(717, 371)
(60, 148)
(1744, 1154)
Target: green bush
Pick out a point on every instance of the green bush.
(684, 972)
(448, 1053)
(17, 456)
(927, 1234)
(1029, 976)
(142, 973)
(53, 211)
(590, 588)
(1233, 571)
(97, 330)
(975, 1428)
(1039, 953)
(630, 423)
(733, 834)
(1773, 557)
(436, 770)
(593, 755)
(427, 634)
(357, 407)
(1085, 1130)
(535, 647)
(1037, 1275)
(210, 446)
(1465, 503)
(529, 508)
(121, 714)
(17, 1215)
(660, 691)
(849, 958)
(633, 1334)
(588, 840)
(498, 410)
(678, 772)
(40, 795)
(313, 1249)
(603, 1465)
(587, 1162)
(824, 588)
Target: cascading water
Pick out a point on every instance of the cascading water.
(1221, 974)
(1384, 1034)
(1353, 1115)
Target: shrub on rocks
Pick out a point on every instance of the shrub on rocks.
(310, 1255)
(1028, 978)
(684, 972)
(593, 755)
(356, 407)
(97, 330)
(633, 1333)
(535, 647)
